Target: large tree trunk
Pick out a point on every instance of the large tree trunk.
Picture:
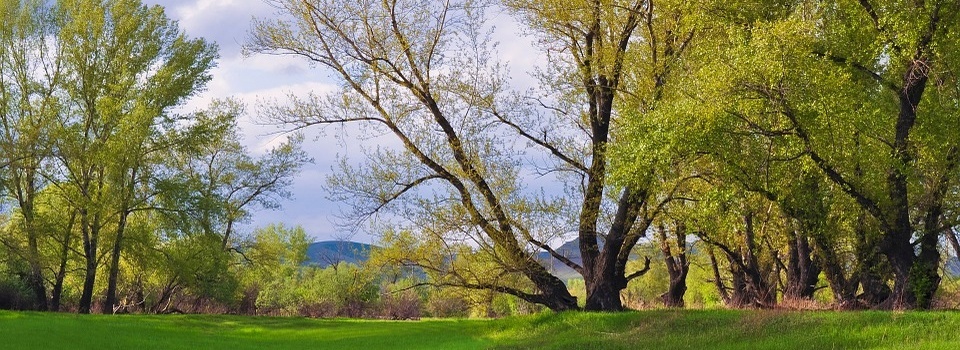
(802, 271)
(602, 280)
(34, 278)
(741, 295)
(896, 244)
(873, 285)
(604, 271)
(677, 266)
(25, 189)
(901, 260)
(603, 294)
(751, 267)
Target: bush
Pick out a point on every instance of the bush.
(14, 295)
(405, 305)
(440, 304)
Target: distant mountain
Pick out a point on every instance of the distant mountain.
(329, 253)
(570, 250)
(952, 266)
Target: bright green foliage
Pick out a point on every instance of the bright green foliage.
(102, 168)
(837, 117)
(214, 182)
(645, 291)
(274, 269)
(275, 275)
(126, 66)
(339, 290)
(29, 80)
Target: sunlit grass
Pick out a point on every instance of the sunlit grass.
(661, 329)
(64, 331)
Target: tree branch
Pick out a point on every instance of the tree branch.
(554, 253)
(859, 67)
(542, 142)
(641, 272)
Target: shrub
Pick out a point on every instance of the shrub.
(404, 305)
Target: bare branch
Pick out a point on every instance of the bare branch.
(641, 272)
(542, 142)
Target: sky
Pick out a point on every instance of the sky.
(260, 78)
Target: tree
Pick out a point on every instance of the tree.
(395, 60)
(854, 98)
(675, 257)
(627, 53)
(205, 187)
(890, 55)
(126, 66)
(275, 257)
(30, 74)
(424, 73)
(213, 183)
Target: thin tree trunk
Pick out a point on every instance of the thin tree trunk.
(91, 233)
(802, 270)
(165, 295)
(57, 292)
(111, 296)
(717, 280)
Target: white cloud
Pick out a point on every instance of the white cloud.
(225, 22)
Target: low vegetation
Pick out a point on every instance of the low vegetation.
(658, 329)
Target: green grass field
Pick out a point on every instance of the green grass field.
(664, 329)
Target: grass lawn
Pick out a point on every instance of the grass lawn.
(662, 329)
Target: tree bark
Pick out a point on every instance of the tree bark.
(843, 290)
(896, 244)
(57, 292)
(35, 276)
(749, 286)
(802, 271)
(751, 267)
(125, 210)
(954, 242)
(677, 265)
(111, 296)
(717, 279)
(741, 295)
(91, 235)
(24, 188)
